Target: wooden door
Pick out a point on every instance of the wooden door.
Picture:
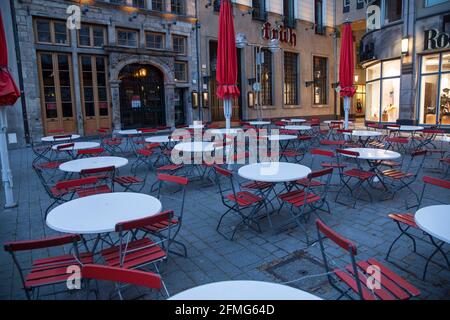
(94, 93)
(56, 86)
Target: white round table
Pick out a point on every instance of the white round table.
(259, 123)
(78, 165)
(375, 154)
(160, 139)
(244, 290)
(364, 133)
(274, 172)
(55, 139)
(281, 137)
(78, 146)
(407, 128)
(130, 132)
(294, 120)
(100, 213)
(196, 147)
(222, 131)
(446, 138)
(298, 128)
(435, 220)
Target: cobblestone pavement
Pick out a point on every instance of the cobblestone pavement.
(269, 256)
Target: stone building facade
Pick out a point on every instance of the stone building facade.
(129, 64)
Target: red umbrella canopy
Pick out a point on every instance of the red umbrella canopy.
(347, 66)
(8, 89)
(226, 54)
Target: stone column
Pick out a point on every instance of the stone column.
(169, 89)
(76, 84)
(115, 100)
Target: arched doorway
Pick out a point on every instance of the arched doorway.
(141, 96)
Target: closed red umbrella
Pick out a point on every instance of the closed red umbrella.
(8, 96)
(347, 69)
(227, 71)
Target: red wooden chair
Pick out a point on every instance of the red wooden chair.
(305, 201)
(361, 176)
(105, 174)
(400, 180)
(368, 279)
(120, 276)
(93, 152)
(406, 222)
(332, 143)
(243, 203)
(46, 271)
(110, 144)
(160, 229)
(133, 253)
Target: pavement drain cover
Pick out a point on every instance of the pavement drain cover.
(297, 265)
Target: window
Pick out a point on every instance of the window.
(435, 89)
(266, 81)
(259, 9)
(359, 4)
(91, 36)
(158, 5)
(446, 23)
(177, 7)
(179, 44)
(288, 11)
(127, 38)
(392, 11)
(181, 71)
(52, 32)
(139, 4)
(383, 91)
(290, 78)
(154, 40)
(320, 71)
(216, 5)
(429, 3)
(346, 7)
(318, 16)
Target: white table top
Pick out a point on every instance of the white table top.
(446, 138)
(298, 128)
(435, 220)
(196, 147)
(226, 131)
(375, 154)
(52, 138)
(259, 123)
(92, 163)
(407, 128)
(129, 132)
(281, 137)
(364, 133)
(331, 121)
(244, 290)
(79, 146)
(294, 120)
(196, 126)
(274, 172)
(100, 213)
(159, 139)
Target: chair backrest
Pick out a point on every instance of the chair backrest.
(144, 222)
(349, 153)
(75, 183)
(177, 180)
(65, 146)
(104, 173)
(41, 243)
(418, 156)
(228, 175)
(62, 136)
(324, 176)
(147, 130)
(91, 152)
(320, 152)
(314, 122)
(323, 233)
(125, 276)
(436, 182)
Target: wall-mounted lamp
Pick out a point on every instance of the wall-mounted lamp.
(251, 99)
(405, 46)
(194, 99)
(133, 16)
(308, 83)
(356, 78)
(84, 8)
(205, 99)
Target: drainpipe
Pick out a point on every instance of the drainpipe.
(26, 127)
(199, 67)
(335, 59)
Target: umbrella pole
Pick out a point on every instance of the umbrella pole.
(346, 110)
(6, 170)
(227, 113)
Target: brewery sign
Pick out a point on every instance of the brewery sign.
(279, 32)
(434, 39)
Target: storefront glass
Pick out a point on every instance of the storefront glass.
(383, 91)
(434, 106)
